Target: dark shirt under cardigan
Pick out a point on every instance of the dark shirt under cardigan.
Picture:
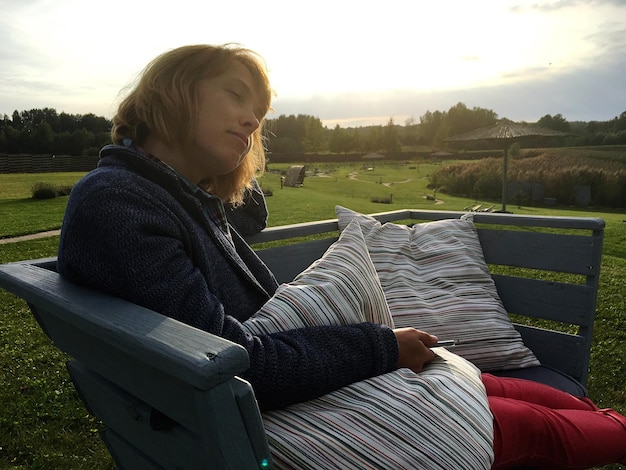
(135, 229)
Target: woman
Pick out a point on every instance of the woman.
(149, 225)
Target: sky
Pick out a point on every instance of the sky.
(347, 62)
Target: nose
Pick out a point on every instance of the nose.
(250, 121)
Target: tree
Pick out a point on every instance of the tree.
(372, 141)
(461, 119)
(429, 125)
(81, 139)
(620, 122)
(287, 133)
(13, 139)
(69, 122)
(93, 123)
(410, 135)
(43, 136)
(339, 140)
(390, 137)
(313, 135)
(437, 126)
(17, 120)
(556, 122)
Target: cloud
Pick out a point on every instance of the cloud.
(610, 38)
(548, 7)
(525, 73)
(580, 94)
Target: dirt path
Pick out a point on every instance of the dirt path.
(391, 183)
(32, 236)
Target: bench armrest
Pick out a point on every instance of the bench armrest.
(69, 314)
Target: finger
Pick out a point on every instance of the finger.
(428, 339)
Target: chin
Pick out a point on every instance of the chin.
(242, 158)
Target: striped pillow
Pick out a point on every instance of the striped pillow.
(438, 419)
(341, 288)
(435, 278)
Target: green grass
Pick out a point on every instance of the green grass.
(43, 425)
(18, 185)
(26, 216)
(20, 213)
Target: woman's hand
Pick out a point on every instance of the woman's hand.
(414, 348)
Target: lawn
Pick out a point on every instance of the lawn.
(44, 425)
(20, 213)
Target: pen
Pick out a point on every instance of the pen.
(446, 343)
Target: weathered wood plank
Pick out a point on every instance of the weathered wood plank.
(574, 254)
(289, 260)
(173, 347)
(130, 418)
(566, 353)
(566, 303)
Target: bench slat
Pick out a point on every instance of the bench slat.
(564, 352)
(566, 303)
(574, 254)
(125, 455)
(287, 261)
(130, 417)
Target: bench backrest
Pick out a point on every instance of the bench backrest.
(525, 254)
(141, 373)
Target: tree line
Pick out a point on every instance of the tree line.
(44, 131)
(306, 134)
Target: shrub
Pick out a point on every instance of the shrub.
(64, 190)
(559, 174)
(383, 200)
(44, 190)
(488, 185)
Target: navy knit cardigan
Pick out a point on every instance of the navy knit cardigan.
(133, 229)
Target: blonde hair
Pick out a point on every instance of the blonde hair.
(163, 103)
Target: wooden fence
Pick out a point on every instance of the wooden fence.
(46, 163)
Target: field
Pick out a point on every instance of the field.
(44, 425)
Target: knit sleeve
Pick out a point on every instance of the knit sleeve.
(299, 365)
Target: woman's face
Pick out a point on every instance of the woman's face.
(229, 111)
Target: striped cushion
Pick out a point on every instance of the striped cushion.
(435, 278)
(341, 288)
(438, 419)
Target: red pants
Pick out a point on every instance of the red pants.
(539, 426)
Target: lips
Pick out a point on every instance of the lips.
(242, 137)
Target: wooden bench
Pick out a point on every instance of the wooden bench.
(169, 394)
